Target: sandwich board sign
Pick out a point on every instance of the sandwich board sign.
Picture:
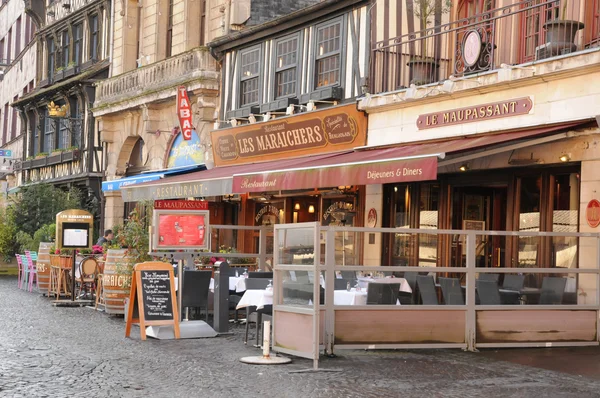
(152, 299)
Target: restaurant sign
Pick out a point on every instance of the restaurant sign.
(477, 113)
(180, 205)
(399, 170)
(329, 130)
(592, 213)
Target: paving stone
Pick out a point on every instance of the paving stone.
(79, 352)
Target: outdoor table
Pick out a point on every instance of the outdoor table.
(256, 298)
(524, 293)
(352, 297)
(363, 282)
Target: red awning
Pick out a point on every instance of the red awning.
(406, 163)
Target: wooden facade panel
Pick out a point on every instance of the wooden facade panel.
(399, 327)
(293, 331)
(535, 326)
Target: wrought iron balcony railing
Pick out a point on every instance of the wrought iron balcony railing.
(157, 76)
(515, 34)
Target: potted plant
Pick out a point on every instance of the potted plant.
(560, 34)
(41, 155)
(423, 66)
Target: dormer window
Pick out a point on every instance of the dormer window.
(286, 66)
(249, 76)
(328, 56)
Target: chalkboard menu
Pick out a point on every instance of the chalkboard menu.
(156, 293)
(152, 298)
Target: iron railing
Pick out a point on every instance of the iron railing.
(515, 34)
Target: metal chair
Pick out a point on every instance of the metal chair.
(21, 272)
(488, 292)
(382, 293)
(196, 286)
(32, 260)
(252, 314)
(489, 277)
(410, 298)
(513, 282)
(341, 284)
(427, 290)
(452, 291)
(553, 289)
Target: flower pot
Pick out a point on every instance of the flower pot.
(560, 37)
(423, 71)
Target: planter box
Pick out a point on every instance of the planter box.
(333, 93)
(59, 75)
(70, 156)
(278, 105)
(39, 162)
(70, 71)
(54, 159)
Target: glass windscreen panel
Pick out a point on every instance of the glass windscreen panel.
(565, 218)
(529, 221)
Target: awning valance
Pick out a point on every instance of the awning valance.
(116, 185)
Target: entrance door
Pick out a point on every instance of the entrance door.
(481, 208)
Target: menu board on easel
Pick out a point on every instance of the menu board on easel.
(152, 298)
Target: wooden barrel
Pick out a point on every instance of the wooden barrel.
(42, 266)
(115, 283)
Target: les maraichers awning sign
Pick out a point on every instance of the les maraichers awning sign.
(330, 130)
(477, 113)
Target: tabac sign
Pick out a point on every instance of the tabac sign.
(477, 113)
(329, 130)
(184, 112)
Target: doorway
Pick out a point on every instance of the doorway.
(481, 208)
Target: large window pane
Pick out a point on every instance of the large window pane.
(328, 55)
(286, 59)
(565, 216)
(428, 219)
(401, 213)
(250, 70)
(529, 220)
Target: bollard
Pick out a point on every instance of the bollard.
(266, 358)
(266, 339)
(221, 301)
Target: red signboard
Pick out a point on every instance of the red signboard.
(184, 112)
(405, 170)
(180, 231)
(181, 205)
(592, 213)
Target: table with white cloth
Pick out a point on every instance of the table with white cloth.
(352, 297)
(256, 298)
(363, 282)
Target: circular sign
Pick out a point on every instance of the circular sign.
(471, 48)
(592, 213)
(372, 218)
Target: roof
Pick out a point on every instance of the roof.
(273, 27)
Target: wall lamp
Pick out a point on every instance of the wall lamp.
(297, 206)
(565, 157)
(464, 167)
(311, 209)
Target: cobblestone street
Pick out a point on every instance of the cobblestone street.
(59, 352)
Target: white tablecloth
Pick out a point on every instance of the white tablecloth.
(237, 283)
(256, 298)
(344, 297)
(404, 286)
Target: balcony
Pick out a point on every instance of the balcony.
(49, 160)
(517, 34)
(193, 65)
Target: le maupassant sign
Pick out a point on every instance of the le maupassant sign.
(477, 113)
(329, 130)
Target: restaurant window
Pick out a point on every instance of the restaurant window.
(65, 49)
(49, 128)
(532, 26)
(565, 218)
(250, 76)
(328, 57)
(77, 43)
(341, 212)
(429, 204)
(94, 37)
(18, 37)
(170, 29)
(401, 206)
(51, 58)
(286, 71)
(529, 220)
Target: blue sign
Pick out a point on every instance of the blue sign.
(116, 185)
(185, 152)
(5, 153)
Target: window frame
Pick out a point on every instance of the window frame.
(316, 57)
(276, 69)
(258, 76)
(94, 40)
(19, 30)
(77, 43)
(50, 55)
(541, 13)
(169, 38)
(48, 143)
(65, 47)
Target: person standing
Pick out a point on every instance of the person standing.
(107, 238)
